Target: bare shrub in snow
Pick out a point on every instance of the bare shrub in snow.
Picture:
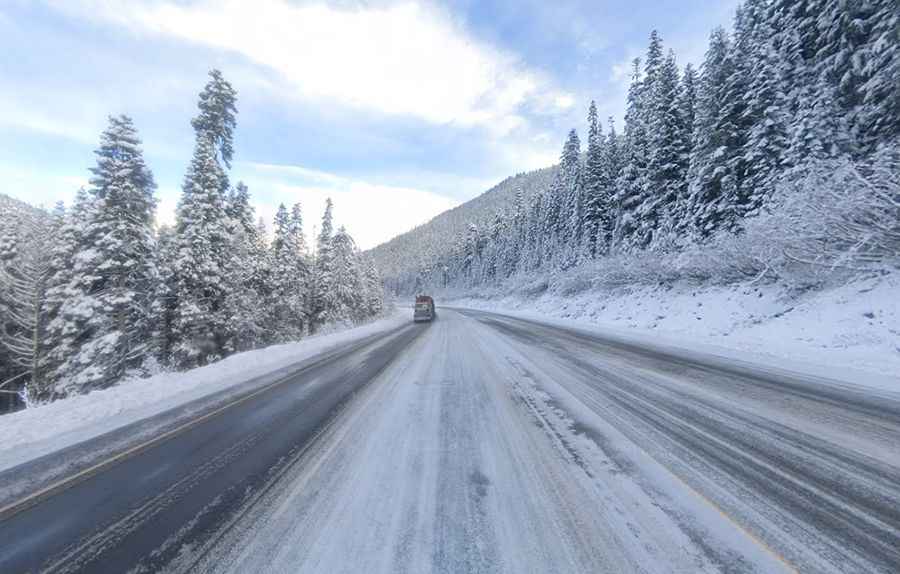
(839, 214)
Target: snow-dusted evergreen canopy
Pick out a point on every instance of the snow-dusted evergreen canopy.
(797, 84)
(104, 320)
(90, 294)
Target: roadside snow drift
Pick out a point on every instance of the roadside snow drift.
(38, 431)
(855, 326)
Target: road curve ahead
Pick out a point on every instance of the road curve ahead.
(485, 443)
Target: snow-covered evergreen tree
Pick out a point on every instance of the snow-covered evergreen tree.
(347, 296)
(201, 265)
(249, 280)
(765, 148)
(568, 231)
(26, 238)
(323, 271)
(665, 168)
(62, 333)
(373, 304)
(290, 276)
(596, 189)
(878, 117)
(709, 206)
(109, 300)
(201, 324)
(632, 180)
(216, 118)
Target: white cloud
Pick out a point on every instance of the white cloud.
(372, 213)
(21, 113)
(403, 58)
(564, 101)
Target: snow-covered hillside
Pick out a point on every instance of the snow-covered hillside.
(855, 325)
(434, 240)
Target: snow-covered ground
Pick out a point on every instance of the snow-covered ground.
(850, 332)
(37, 431)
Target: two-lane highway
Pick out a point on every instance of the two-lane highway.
(142, 510)
(486, 443)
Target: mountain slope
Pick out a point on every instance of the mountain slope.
(420, 247)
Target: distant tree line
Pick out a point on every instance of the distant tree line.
(799, 91)
(94, 292)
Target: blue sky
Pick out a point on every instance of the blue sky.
(397, 110)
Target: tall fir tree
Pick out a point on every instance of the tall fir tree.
(249, 278)
(114, 278)
(217, 117)
(567, 234)
(765, 146)
(634, 152)
(665, 171)
(686, 103)
(596, 191)
(201, 265)
(347, 295)
(707, 188)
(202, 324)
(878, 118)
(323, 271)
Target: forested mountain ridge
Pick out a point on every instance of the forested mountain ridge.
(780, 153)
(433, 240)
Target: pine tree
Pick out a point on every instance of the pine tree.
(290, 275)
(321, 309)
(845, 30)
(347, 292)
(534, 236)
(707, 188)
(166, 303)
(373, 288)
(106, 312)
(611, 171)
(515, 242)
(568, 232)
(201, 323)
(201, 265)
(471, 254)
(764, 151)
(632, 180)
(665, 174)
(686, 103)
(249, 280)
(25, 274)
(218, 108)
(302, 265)
(61, 334)
(735, 121)
(878, 118)
(597, 200)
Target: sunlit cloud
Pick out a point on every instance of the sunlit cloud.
(372, 212)
(404, 59)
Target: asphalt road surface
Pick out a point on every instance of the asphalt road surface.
(485, 443)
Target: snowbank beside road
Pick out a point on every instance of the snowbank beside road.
(841, 332)
(35, 432)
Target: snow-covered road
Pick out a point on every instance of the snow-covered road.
(499, 445)
(489, 443)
